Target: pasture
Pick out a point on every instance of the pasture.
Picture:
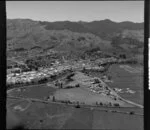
(124, 79)
(38, 92)
(60, 116)
(84, 95)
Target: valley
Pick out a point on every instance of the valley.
(60, 76)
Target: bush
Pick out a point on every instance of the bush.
(77, 85)
(96, 103)
(53, 99)
(109, 77)
(132, 112)
(110, 104)
(77, 106)
(96, 81)
(69, 76)
(101, 103)
(116, 104)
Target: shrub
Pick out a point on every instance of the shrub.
(116, 104)
(132, 112)
(101, 103)
(96, 81)
(115, 99)
(96, 103)
(110, 104)
(53, 99)
(77, 85)
(77, 106)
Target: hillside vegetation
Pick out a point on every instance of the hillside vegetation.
(74, 37)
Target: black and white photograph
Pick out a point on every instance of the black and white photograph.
(75, 65)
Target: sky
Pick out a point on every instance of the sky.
(117, 11)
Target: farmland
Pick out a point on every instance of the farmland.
(54, 104)
(125, 79)
(88, 92)
(84, 95)
(55, 116)
(38, 92)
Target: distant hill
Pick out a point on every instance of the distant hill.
(74, 36)
(104, 28)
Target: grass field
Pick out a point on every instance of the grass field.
(38, 115)
(124, 79)
(56, 116)
(22, 103)
(80, 119)
(83, 95)
(118, 121)
(38, 92)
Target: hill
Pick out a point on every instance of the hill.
(104, 28)
(66, 36)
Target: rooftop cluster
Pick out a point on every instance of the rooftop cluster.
(17, 75)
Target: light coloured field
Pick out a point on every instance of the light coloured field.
(131, 69)
(84, 95)
(117, 121)
(60, 116)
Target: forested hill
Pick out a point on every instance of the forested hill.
(75, 36)
(104, 28)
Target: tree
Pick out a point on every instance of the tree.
(96, 103)
(83, 69)
(123, 56)
(60, 85)
(132, 112)
(101, 103)
(36, 68)
(53, 99)
(77, 85)
(110, 104)
(114, 53)
(116, 104)
(77, 106)
(109, 77)
(96, 81)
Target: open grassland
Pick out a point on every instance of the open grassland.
(38, 92)
(56, 116)
(84, 95)
(22, 103)
(131, 69)
(40, 115)
(124, 79)
(119, 121)
(80, 119)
